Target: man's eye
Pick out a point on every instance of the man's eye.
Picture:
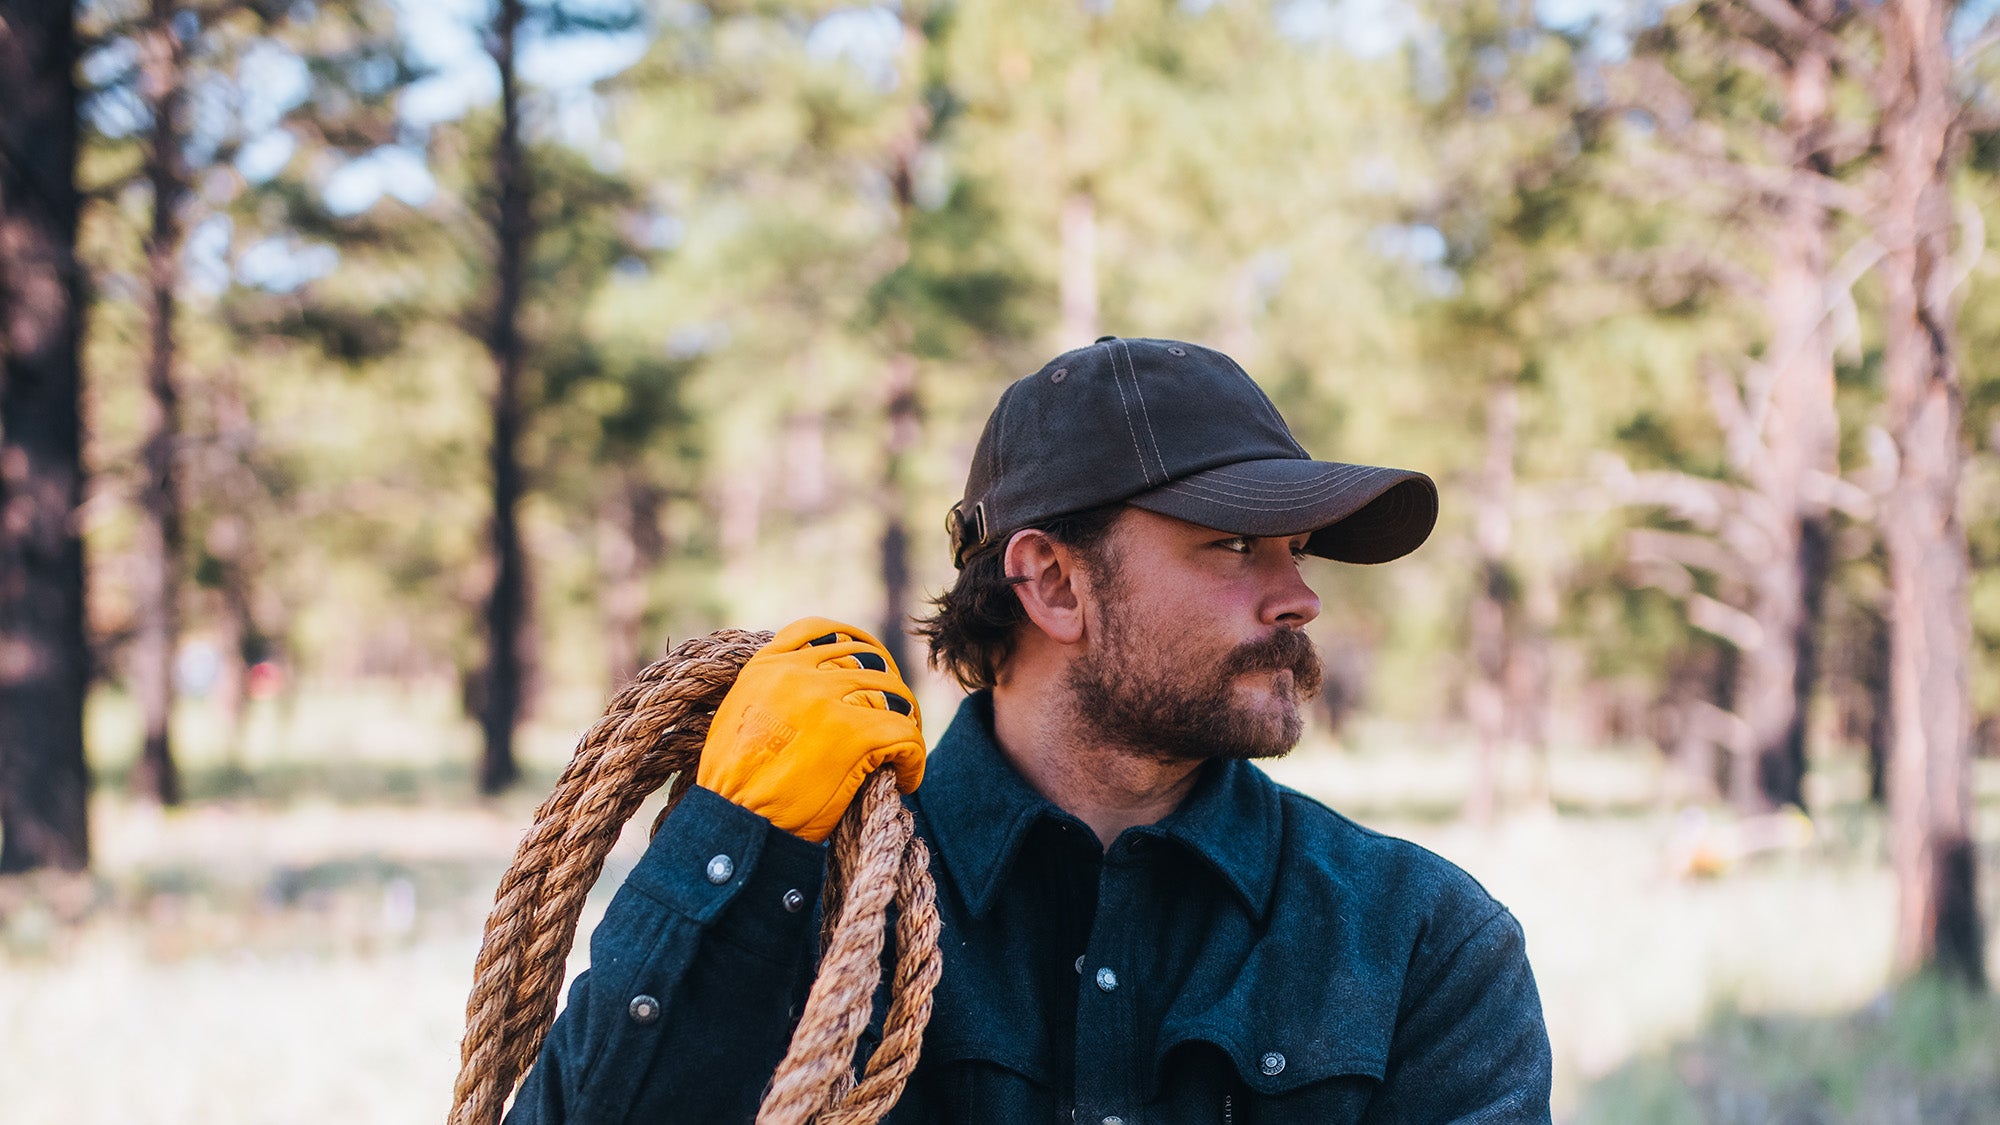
(1239, 544)
(1299, 553)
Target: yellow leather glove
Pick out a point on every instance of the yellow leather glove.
(808, 719)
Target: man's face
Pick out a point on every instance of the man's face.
(1196, 650)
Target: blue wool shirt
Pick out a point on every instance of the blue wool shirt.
(1254, 957)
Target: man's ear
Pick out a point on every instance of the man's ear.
(1052, 588)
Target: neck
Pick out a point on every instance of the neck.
(1107, 786)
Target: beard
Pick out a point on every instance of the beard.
(1145, 693)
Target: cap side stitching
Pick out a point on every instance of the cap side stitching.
(1000, 432)
(1119, 385)
(1145, 416)
(1273, 509)
(1315, 486)
(1213, 479)
(1223, 472)
(1260, 503)
(1320, 489)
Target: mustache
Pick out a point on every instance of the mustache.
(1286, 650)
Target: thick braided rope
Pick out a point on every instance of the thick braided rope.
(651, 735)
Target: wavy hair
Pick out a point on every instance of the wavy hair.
(972, 625)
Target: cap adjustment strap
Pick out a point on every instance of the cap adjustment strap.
(967, 531)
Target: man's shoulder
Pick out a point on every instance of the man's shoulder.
(1373, 874)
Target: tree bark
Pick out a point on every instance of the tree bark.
(628, 550)
(239, 627)
(1531, 678)
(903, 402)
(1800, 434)
(44, 650)
(1076, 278)
(1881, 705)
(1700, 691)
(1487, 694)
(1930, 792)
(905, 422)
(506, 605)
(230, 542)
(1077, 285)
(157, 584)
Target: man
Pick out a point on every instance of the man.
(1139, 925)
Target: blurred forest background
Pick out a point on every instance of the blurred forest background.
(387, 380)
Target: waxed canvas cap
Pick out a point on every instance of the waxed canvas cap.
(1181, 430)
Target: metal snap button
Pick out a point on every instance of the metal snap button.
(1271, 1063)
(794, 901)
(1107, 980)
(643, 1009)
(1079, 964)
(720, 868)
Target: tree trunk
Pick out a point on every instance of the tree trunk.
(1930, 792)
(1531, 679)
(1881, 742)
(1076, 277)
(905, 421)
(903, 404)
(157, 584)
(506, 606)
(1486, 694)
(1077, 284)
(44, 650)
(1799, 440)
(229, 541)
(1700, 689)
(239, 642)
(628, 550)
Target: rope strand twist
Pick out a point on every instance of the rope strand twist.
(651, 736)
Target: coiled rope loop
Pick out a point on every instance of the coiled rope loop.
(652, 736)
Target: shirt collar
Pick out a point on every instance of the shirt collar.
(980, 810)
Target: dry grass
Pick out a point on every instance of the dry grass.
(297, 946)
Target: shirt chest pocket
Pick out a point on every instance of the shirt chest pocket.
(977, 1083)
(1211, 1080)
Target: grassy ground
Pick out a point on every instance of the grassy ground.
(1924, 1055)
(297, 944)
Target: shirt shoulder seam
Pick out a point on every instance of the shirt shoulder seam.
(1444, 963)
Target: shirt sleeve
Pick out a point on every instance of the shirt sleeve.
(1470, 1043)
(696, 973)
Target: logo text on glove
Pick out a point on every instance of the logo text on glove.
(766, 731)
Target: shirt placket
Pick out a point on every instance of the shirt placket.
(1108, 1080)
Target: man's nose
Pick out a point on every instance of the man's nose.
(1289, 601)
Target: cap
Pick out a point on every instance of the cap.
(1180, 430)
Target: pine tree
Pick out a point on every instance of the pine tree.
(1930, 766)
(44, 652)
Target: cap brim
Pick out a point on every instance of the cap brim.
(1355, 513)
